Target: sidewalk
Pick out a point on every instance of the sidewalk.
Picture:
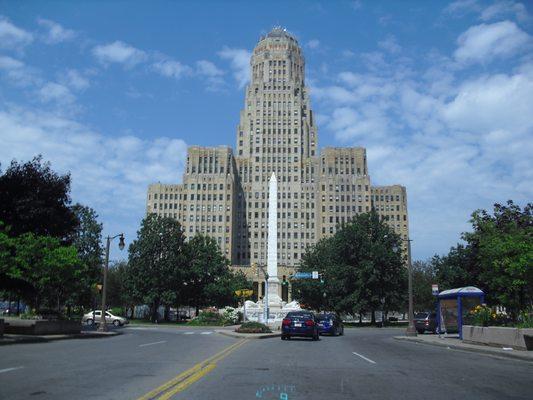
(456, 343)
(15, 339)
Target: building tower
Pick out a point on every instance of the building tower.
(276, 134)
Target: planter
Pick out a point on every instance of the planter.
(41, 327)
(516, 338)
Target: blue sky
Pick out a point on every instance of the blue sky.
(440, 94)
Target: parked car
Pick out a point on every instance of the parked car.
(96, 317)
(330, 323)
(426, 321)
(299, 323)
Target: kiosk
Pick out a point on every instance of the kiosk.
(454, 306)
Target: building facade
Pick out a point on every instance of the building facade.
(224, 194)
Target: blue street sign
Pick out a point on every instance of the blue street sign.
(303, 275)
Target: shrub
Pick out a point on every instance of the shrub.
(253, 327)
(207, 318)
(525, 319)
(230, 316)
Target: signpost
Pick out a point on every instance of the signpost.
(244, 293)
(434, 290)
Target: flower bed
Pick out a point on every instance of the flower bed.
(253, 327)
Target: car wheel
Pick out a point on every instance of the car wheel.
(342, 331)
(420, 331)
(283, 337)
(89, 322)
(116, 322)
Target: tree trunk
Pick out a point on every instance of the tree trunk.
(373, 320)
(360, 317)
(155, 307)
(167, 313)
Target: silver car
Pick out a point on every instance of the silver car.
(96, 317)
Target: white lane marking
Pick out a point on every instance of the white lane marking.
(150, 344)
(364, 358)
(188, 333)
(206, 333)
(9, 369)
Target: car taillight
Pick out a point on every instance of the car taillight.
(286, 321)
(310, 322)
(427, 322)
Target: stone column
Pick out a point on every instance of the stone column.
(274, 298)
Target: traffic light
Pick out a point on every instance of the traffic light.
(284, 282)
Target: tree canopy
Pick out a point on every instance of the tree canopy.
(34, 198)
(361, 266)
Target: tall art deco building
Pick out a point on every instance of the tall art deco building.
(224, 192)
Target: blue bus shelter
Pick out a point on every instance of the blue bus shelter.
(454, 306)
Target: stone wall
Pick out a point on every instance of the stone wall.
(497, 336)
(41, 327)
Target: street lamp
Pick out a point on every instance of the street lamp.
(103, 325)
(411, 330)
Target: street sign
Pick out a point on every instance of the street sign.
(315, 274)
(303, 275)
(434, 290)
(244, 293)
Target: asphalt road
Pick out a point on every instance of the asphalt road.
(364, 364)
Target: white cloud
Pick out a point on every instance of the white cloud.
(8, 63)
(482, 43)
(461, 7)
(17, 72)
(505, 8)
(110, 174)
(313, 44)
(13, 37)
(211, 73)
(458, 143)
(390, 44)
(55, 32)
(119, 52)
(75, 80)
(240, 63)
(55, 92)
(495, 102)
(171, 68)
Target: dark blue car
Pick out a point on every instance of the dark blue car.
(330, 323)
(299, 323)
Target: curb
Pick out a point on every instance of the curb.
(248, 335)
(6, 340)
(482, 350)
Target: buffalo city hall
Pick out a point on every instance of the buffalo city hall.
(224, 194)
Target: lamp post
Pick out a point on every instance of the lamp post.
(411, 330)
(103, 325)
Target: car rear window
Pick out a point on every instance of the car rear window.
(299, 315)
(323, 317)
(421, 315)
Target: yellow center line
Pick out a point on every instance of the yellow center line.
(188, 377)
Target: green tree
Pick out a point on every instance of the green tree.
(503, 244)
(207, 278)
(34, 198)
(156, 263)
(53, 270)
(87, 240)
(361, 266)
(423, 278)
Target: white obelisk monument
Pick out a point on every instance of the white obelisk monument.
(274, 300)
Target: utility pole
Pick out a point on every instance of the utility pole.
(103, 325)
(411, 330)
